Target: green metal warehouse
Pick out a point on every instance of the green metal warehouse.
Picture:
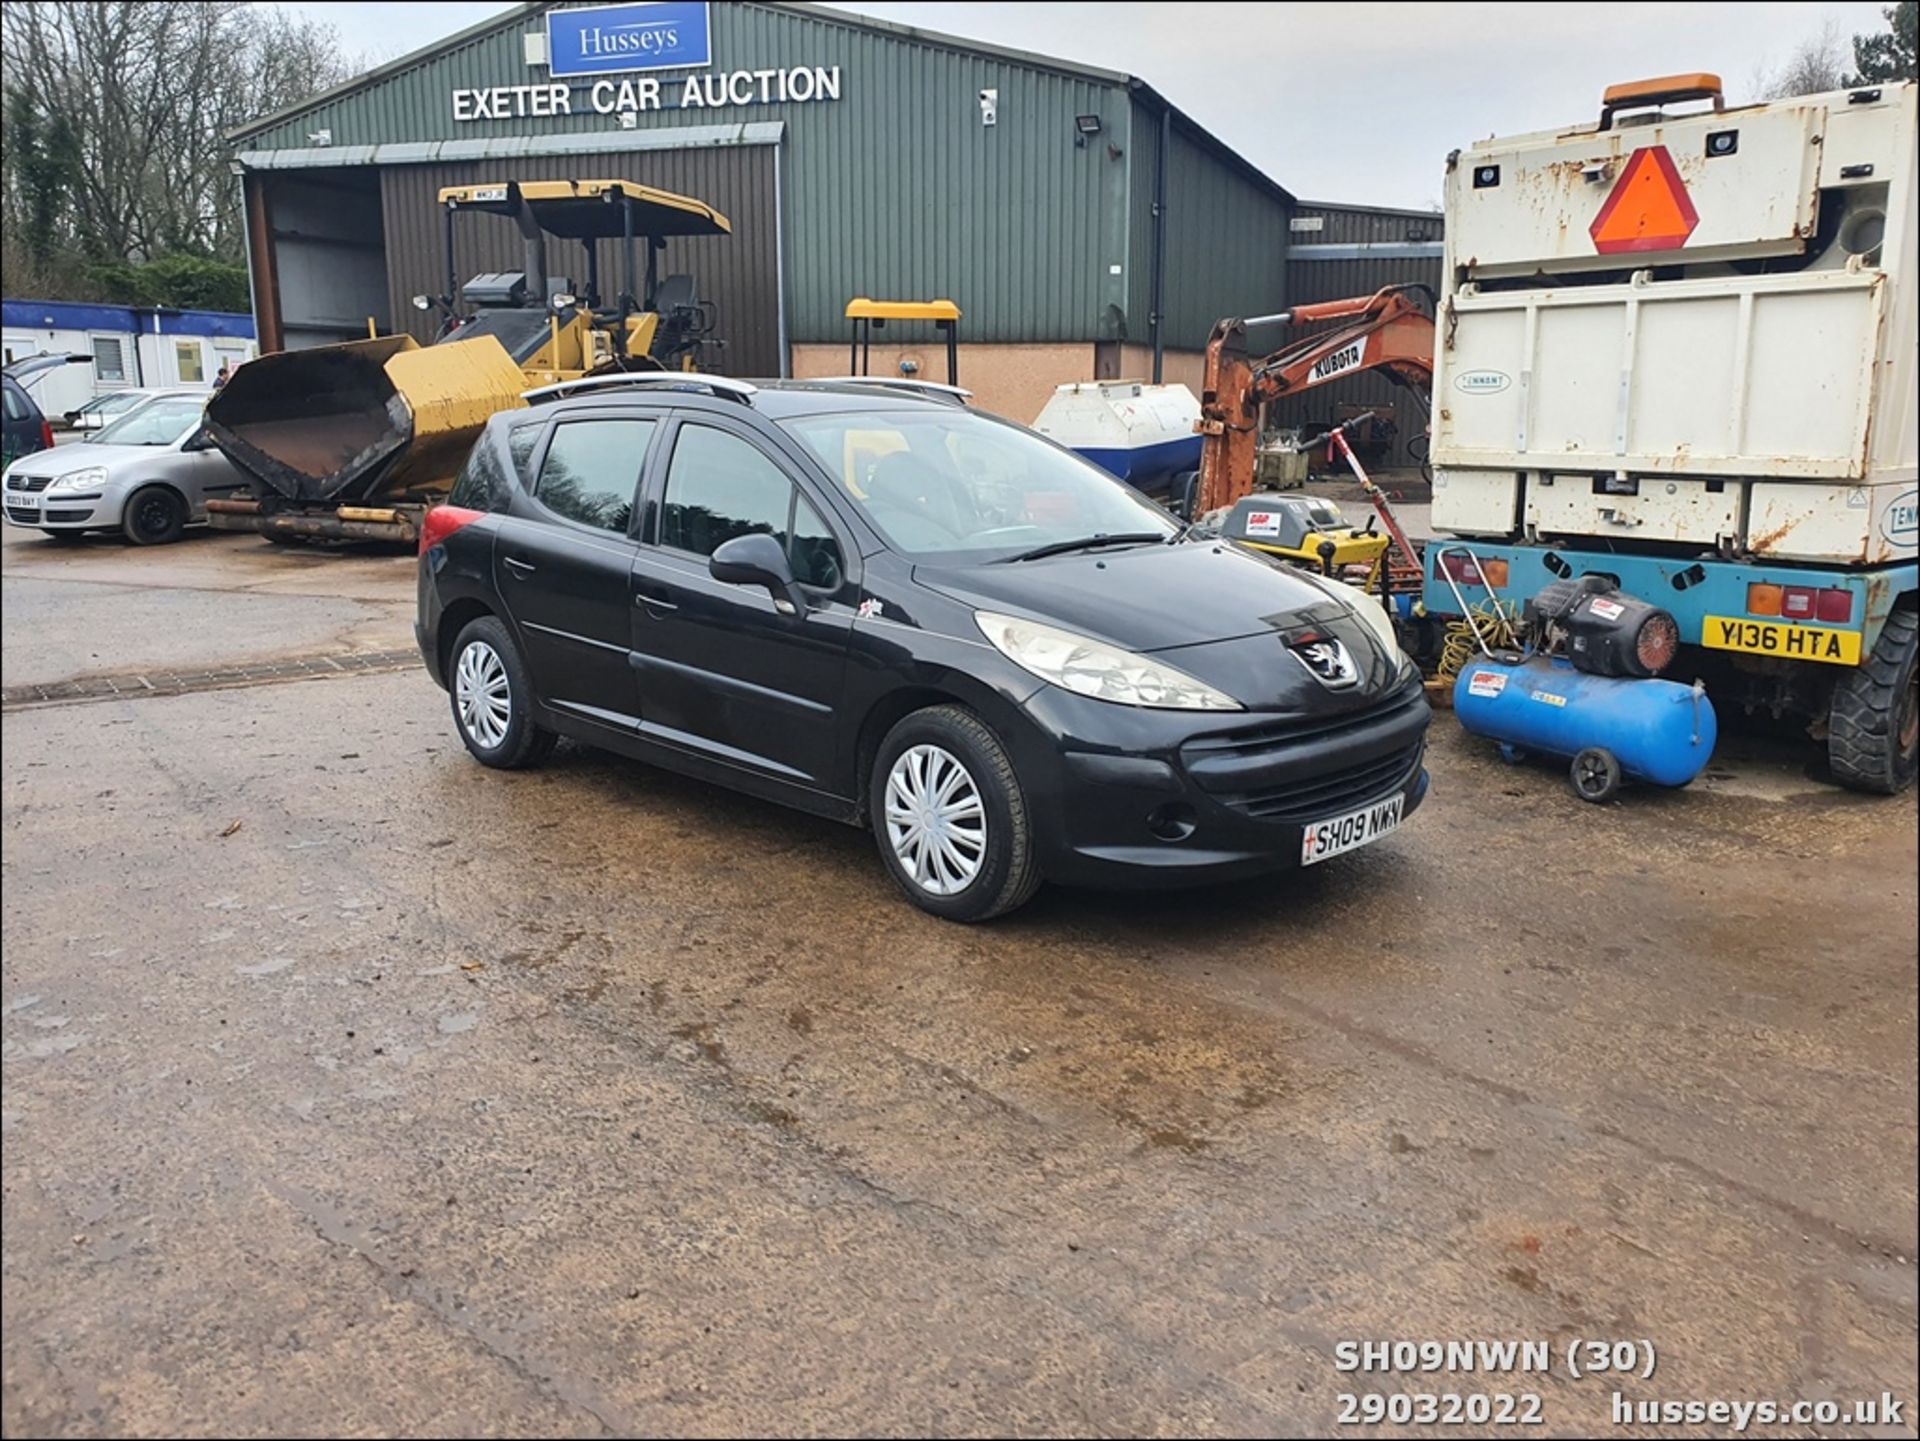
(854, 158)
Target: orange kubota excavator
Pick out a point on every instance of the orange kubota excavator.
(1387, 332)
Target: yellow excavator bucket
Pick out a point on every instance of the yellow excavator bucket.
(364, 420)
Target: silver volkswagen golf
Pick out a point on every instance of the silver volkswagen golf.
(146, 475)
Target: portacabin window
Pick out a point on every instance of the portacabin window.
(109, 360)
(187, 357)
(592, 469)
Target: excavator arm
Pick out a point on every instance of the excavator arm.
(1386, 331)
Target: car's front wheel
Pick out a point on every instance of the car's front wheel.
(155, 515)
(493, 699)
(950, 817)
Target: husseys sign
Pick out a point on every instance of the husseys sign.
(599, 57)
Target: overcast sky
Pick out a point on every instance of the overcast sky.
(1353, 102)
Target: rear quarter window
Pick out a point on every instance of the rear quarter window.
(482, 483)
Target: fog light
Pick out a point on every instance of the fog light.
(1173, 821)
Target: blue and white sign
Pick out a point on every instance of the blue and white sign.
(609, 39)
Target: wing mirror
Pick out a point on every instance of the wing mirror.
(758, 560)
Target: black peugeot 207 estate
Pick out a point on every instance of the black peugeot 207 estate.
(884, 606)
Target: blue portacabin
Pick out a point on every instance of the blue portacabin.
(1660, 732)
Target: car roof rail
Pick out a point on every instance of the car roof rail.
(740, 390)
(925, 389)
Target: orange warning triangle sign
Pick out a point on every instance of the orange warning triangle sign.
(1648, 209)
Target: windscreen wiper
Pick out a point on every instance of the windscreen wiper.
(1090, 542)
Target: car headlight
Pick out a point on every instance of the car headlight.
(1093, 668)
(74, 480)
(1368, 607)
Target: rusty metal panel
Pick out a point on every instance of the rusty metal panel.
(1543, 201)
(1857, 525)
(738, 272)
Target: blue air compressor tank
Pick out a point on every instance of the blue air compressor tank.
(1659, 730)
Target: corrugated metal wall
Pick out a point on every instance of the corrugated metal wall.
(895, 190)
(1226, 239)
(1310, 278)
(739, 273)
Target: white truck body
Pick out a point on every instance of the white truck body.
(1747, 386)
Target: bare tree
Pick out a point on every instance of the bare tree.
(117, 111)
(1818, 63)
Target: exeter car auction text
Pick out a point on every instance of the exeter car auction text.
(800, 84)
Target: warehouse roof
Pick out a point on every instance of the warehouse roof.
(1139, 88)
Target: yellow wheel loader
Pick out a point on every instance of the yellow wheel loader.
(354, 441)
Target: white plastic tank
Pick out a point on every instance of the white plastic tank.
(1142, 433)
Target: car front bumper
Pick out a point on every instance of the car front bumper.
(51, 510)
(1175, 798)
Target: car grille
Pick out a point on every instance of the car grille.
(1265, 772)
(1331, 792)
(25, 517)
(29, 482)
(68, 516)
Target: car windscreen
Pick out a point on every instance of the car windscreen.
(960, 487)
(159, 422)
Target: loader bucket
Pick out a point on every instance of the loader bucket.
(364, 420)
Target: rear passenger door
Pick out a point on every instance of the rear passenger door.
(722, 671)
(563, 559)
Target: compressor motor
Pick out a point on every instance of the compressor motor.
(1599, 628)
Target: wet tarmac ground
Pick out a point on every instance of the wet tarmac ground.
(351, 1088)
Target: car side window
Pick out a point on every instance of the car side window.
(813, 552)
(16, 404)
(521, 442)
(591, 470)
(719, 487)
(479, 486)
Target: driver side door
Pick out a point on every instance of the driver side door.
(723, 670)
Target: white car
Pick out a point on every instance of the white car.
(147, 475)
(106, 408)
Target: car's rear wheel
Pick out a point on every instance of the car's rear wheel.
(950, 817)
(493, 699)
(155, 515)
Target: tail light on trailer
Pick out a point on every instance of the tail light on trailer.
(1463, 570)
(1796, 602)
(442, 521)
(1832, 604)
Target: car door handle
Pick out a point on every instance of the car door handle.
(655, 605)
(520, 569)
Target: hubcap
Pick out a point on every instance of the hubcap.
(936, 821)
(155, 515)
(480, 689)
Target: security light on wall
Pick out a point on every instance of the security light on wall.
(1087, 125)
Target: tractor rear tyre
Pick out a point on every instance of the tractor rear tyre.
(1873, 728)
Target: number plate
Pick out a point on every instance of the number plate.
(1789, 642)
(1349, 832)
(23, 502)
